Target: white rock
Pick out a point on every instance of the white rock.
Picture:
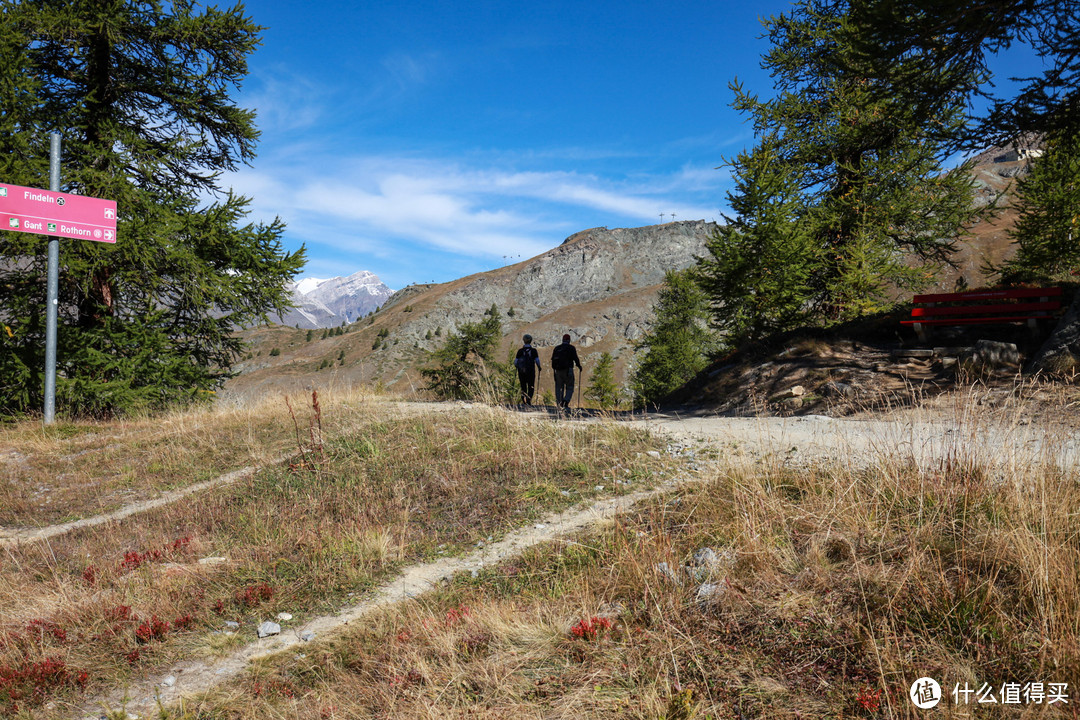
(213, 560)
(709, 592)
(665, 571)
(307, 636)
(169, 681)
(269, 628)
(653, 454)
(232, 625)
(284, 617)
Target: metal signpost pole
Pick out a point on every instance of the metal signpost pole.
(52, 291)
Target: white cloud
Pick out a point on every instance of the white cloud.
(369, 204)
(285, 102)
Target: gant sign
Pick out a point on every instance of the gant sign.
(24, 209)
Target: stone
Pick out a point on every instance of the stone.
(709, 592)
(796, 391)
(707, 563)
(992, 355)
(837, 389)
(169, 681)
(665, 571)
(213, 560)
(307, 636)
(232, 625)
(653, 454)
(1064, 341)
(284, 617)
(269, 628)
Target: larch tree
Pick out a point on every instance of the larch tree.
(140, 91)
(1047, 231)
(677, 345)
(952, 43)
(855, 201)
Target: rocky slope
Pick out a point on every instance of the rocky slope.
(598, 285)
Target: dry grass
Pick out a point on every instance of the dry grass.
(369, 491)
(57, 473)
(834, 590)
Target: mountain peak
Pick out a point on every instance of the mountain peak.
(327, 302)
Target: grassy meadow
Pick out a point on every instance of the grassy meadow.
(763, 591)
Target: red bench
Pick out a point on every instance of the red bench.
(984, 307)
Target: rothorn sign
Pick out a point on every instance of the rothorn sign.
(45, 212)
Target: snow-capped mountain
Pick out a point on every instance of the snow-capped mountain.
(327, 302)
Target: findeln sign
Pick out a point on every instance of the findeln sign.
(44, 212)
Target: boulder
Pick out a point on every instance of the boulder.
(992, 355)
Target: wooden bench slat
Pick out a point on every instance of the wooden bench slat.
(984, 307)
(1004, 308)
(973, 321)
(976, 295)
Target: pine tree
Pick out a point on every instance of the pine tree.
(140, 92)
(759, 271)
(602, 387)
(952, 43)
(1047, 231)
(678, 344)
(459, 369)
(854, 201)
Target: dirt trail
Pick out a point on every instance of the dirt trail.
(15, 536)
(796, 441)
(196, 676)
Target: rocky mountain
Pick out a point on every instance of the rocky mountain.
(598, 285)
(328, 303)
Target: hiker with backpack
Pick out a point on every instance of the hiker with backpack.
(527, 362)
(563, 359)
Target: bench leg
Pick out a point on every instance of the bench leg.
(921, 331)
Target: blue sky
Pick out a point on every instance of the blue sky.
(427, 140)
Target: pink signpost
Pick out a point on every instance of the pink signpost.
(45, 212)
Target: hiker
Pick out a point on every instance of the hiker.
(527, 362)
(563, 359)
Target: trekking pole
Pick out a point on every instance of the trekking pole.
(578, 393)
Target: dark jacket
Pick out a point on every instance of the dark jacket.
(526, 359)
(564, 357)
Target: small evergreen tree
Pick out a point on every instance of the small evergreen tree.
(504, 380)
(459, 369)
(602, 387)
(758, 274)
(678, 344)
